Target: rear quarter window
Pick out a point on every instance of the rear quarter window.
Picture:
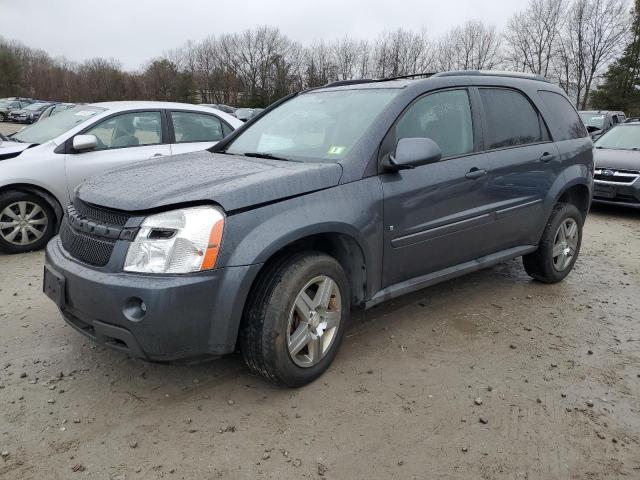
(565, 124)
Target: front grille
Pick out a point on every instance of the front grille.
(616, 176)
(100, 215)
(86, 248)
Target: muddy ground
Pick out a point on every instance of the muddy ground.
(556, 369)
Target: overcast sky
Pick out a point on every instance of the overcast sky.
(133, 31)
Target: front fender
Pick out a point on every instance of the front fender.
(353, 209)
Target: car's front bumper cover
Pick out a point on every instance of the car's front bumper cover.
(186, 316)
(615, 193)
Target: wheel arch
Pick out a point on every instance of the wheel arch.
(576, 193)
(344, 247)
(41, 192)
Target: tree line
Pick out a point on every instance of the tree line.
(571, 42)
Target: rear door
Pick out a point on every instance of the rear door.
(194, 131)
(123, 139)
(436, 215)
(523, 164)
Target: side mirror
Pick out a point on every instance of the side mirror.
(413, 152)
(85, 142)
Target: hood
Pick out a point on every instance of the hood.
(9, 149)
(617, 159)
(233, 182)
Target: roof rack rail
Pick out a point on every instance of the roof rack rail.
(341, 83)
(494, 73)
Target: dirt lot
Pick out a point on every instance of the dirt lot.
(555, 368)
(6, 128)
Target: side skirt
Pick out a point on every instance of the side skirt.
(429, 279)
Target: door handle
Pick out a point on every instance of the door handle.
(476, 173)
(156, 155)
(547, 157)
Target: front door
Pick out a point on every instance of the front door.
(437, 215)
(122, 140)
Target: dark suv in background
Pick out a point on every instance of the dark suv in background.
(338, 197)
(599, 122)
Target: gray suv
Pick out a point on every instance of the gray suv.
(335, 198)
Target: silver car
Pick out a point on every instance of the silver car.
(41, 165)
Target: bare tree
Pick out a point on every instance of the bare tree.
(532, 36)
(474, 46)
(594, 34)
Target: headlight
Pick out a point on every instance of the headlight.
(179, 241)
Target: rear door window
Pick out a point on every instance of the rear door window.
(565, 122)
(511, 119)
(196, 127)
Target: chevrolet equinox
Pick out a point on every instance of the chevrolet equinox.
(333, 198)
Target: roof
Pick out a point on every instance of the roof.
(142, 105)
(404, 80)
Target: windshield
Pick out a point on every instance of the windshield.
(593, 120)
(51, 127)
(623, 137)
(314, 126)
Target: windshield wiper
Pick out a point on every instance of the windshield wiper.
(268, 156)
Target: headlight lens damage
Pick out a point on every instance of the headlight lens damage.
(179, 241)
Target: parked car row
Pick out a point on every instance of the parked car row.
(22, 110)
(243, 114)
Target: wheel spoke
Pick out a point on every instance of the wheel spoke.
(572, 230)
(11, 237)
(558, 249)
(323, 295)
(11, 214)
(562, 233)
(315, 348)
(299, 339)
(330, 319)
(38, 221)
(36, 233)
(4, 225)
(303, 305)
(22, 207)
(24, 236)
(35, 211)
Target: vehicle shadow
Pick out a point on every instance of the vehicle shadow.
(621, 212)
(418, 313)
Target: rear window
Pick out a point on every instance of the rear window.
(565, 124)
(511, 119)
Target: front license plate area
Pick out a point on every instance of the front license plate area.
(605, 191)
(54, 287)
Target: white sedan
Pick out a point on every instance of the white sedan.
(41, 165)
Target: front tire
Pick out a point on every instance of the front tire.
(27, 222)
(296, 318)
(559, 247)
(3, 117)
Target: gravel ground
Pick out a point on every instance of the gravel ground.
(490, 376)
(7, 128)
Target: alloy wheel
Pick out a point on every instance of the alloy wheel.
(565, 244)
(23, 223)
(314, 320)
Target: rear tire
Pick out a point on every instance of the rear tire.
(291, 331)
(3, 117)
(559, 247)
(27, 222)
